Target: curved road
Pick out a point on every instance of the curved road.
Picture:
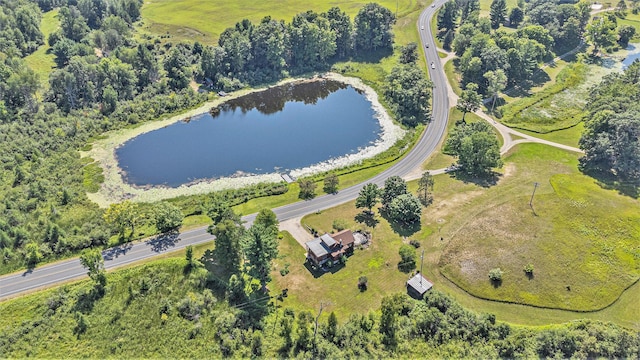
(48, 275)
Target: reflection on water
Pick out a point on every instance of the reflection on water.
(279, 129)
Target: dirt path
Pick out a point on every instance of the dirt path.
(295, 228)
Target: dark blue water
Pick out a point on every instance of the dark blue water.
(276, 130)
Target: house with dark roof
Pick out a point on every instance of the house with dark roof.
(330, 247)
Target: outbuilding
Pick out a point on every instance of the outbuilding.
(417, 286)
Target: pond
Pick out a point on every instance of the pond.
(277, 130)
(633, 55)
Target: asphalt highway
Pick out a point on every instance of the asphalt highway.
(49, 275)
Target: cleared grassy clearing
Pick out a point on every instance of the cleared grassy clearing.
(569, 136)
(203, 21)
(557, 106)
(41, 61)
(582, 240)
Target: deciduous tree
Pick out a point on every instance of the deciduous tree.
(331, 183)
(405, 209)
(394, 186)
(469, 100)
(425, 188)
(373, 27)
(307, 189)
(91, 259)
(123, 215)
(368, 197)
(167, 216)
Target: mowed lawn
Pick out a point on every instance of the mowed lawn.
(583, 240)
(338, 288)
(204, 20)
(581, 236)
(41, 61)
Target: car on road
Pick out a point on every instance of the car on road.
(433, 65)
(426, 45)
(422, 27)
(433, 5)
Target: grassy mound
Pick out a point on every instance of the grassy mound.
(583, 241)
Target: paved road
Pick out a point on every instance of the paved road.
(48, 275)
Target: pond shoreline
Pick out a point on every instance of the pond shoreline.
(115, 189)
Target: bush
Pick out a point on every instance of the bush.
(284, 271)
(407, 258)
(362, 283)
(414, 243)
(528, 269)
(495, 275)
(339, 224)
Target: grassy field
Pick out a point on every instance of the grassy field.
(203, 21)
(569, 136)
(582, 240)
(41, 61)
(589, 243)
(558, 105)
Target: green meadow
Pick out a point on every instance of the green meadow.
(41, 61)
(202, 20)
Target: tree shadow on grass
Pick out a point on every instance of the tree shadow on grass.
(217, 277)
(367, 218)
(373, 57)
(485, 181)
(87, 299)
(496, 283)
(400, 228)
(608, 182)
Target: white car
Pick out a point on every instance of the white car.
(433, 65)
(421, 27)
(433, 5)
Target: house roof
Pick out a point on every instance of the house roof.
(344, 237)
(419, 284)
(328, 240)
(317, 248)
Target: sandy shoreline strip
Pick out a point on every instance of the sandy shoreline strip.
(114, 189)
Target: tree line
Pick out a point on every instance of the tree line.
(255, 53)
(611, 138)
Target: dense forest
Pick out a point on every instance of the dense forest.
(611, 139)
(543, 28)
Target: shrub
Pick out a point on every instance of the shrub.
(408, 258)
(362, 283)
(284, 271)
(528, 269)
(339, 224)
(495, 275)
(414, 243)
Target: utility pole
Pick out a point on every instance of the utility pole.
(421, 262)
(535, 186)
